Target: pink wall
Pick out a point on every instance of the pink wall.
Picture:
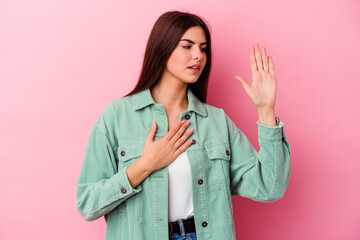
(61, 62)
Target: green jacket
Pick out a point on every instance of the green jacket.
(223, 164)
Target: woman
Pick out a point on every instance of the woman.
(162, 164)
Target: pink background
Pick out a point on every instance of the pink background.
(61, 62)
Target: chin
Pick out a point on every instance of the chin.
(192, 80)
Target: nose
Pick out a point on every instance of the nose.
(198, 54)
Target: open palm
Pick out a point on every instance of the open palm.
(262, 90)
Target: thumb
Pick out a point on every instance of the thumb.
(152, 132)
(244, 83)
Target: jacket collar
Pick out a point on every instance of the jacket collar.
(144, 98)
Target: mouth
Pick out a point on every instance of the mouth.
(195, 68)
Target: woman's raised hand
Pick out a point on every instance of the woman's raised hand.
(160, 153)
(262, 90)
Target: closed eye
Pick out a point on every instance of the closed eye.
(202, 49)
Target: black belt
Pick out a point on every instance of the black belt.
(189, 226)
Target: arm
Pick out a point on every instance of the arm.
(137, 172)
(261, 176)
(99, 184)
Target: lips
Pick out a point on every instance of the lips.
(195, 66)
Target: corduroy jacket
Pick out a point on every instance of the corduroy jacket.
(223, 163)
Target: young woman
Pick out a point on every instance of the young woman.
(162, 164)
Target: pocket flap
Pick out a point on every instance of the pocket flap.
(220, 151)
(129, 151)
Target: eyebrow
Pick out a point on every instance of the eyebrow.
(192, 41)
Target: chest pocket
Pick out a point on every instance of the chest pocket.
(218, 152)
(219, 157)
(128, 153)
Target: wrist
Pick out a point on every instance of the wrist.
(265, 109)
(145, 168)
(266, 116)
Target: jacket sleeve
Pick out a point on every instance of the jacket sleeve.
(99, 184)
(261, 176)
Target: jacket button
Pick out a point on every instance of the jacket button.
(123, 190)
(187, 116)
(200, 181)
(122, 153)
(204, 224)
(227, 152)
(193, 141)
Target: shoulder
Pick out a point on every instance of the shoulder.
(213, 111)
(217, 125)
(111, 111)
(220, 116)
(217, 115)
(117, 105)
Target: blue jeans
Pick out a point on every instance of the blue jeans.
(182, 235)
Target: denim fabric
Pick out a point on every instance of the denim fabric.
(183, 235)
(223, 164)
(187, 236)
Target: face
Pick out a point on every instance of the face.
(190, 51)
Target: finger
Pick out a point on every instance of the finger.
(265, 60)
(258, 57)
(252, 60)
(244, 83)
(183, 138)
(172, 132)
(271, 66)
(152, 132)
(183, 148)
(179, 133)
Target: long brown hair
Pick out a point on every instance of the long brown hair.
(164, 38)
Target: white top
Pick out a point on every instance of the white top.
(180, 191)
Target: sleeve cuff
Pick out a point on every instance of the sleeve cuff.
(126, 184)
(270, 133)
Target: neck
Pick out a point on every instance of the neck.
(170, 94)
